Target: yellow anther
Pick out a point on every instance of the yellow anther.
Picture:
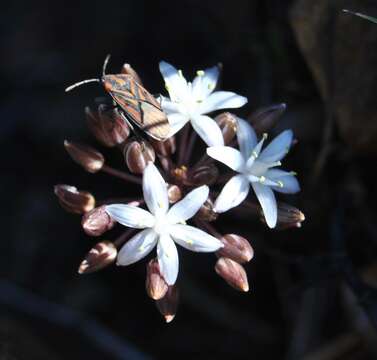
(159, 203)
(262, 179)
(190, 242)
(280, 183)
(211, 86)
(183, 222)
(167, 86)
(265, 136)
(141, 248)
(293, 173)
(180, 73)
(200, 73)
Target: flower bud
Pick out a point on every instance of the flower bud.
(108, 127)
(102, 255)
(228, 125)
(264, 119)
(90, 159)
(97, 221)
(169, 303)
(233, 273)
(73, 200)
(128, 70)
(164, 148)
(202, 175)
(155, 284)
(236, 248)
(288, 217)
(137, 155)
(174, 193)
(206, 212)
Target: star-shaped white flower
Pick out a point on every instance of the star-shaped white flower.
(162, 226)
(191, 101)
(255, 168)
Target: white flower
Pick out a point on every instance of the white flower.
(191, 101)
(255, 168)
(162, 225)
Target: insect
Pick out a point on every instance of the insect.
(134, 101)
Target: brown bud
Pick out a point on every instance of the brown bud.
(233, 273)
(155, 284)
(73, 200)
(288, 217)
(236, 248)
(206, 212)
(102, 255)
(128, 70)
(174, 193)
(164, 148)
(202, 175)
(108, 127)
(264, 119)
(169, 303)
(137, 155)
(90, 159)
(228, 125)
(97, 221)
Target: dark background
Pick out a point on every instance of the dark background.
(312, 289)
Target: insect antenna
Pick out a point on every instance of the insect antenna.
(105, 64)
(69, 88)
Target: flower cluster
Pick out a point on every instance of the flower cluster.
(184, 186)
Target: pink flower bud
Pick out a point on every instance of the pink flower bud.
(288, 217)
(169, 303)
(264, 119)
(202, 175)
(164, 148)
(206, 212)
(155, 284)
(97, 221)
(90, 159)
(174, 193)
(100, 256)
(73, 200)
(228, 125)
(233, 273)
(137, 155)
(236, 248)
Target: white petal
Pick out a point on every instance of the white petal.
(155, 190)
(168, 106)
(232, 194)
(194, 239)
(221, 100)
(205, 83)
(131, 216)
(177, 121)
(168, 258)
(247, 139)
(278, 147)
(255, 154)
(189, 205)
(137, 247)
(176, 84)
(287, 182)
(208, 130)
(267, 200)
(227, 155)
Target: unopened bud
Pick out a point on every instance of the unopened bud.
(236, 248)
(169, 303)
(233, 273)
(73, 200)
(174, 193)
(137, 155)
(102, 255)
(97, 221)
(155, 284)
(206, 212)
(128, 70)
(90, 159)
(288, 217)
(202, 175)
(108, 127)
(164, 148)
(264, 119)
(228, 125)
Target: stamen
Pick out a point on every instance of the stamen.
(254, 154)
(200, 73)
(180, 73)
(265, 136)
(190, 242)
(280, 183)
(211, 86)
(293, 173)
(262, 179)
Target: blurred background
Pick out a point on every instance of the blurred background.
(312, 290)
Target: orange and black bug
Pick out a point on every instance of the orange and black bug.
(135, 103)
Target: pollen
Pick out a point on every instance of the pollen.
(141, 248)
(190, 242)
(167, 86)
(211, 86)
(200, 73)
(265, 136)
